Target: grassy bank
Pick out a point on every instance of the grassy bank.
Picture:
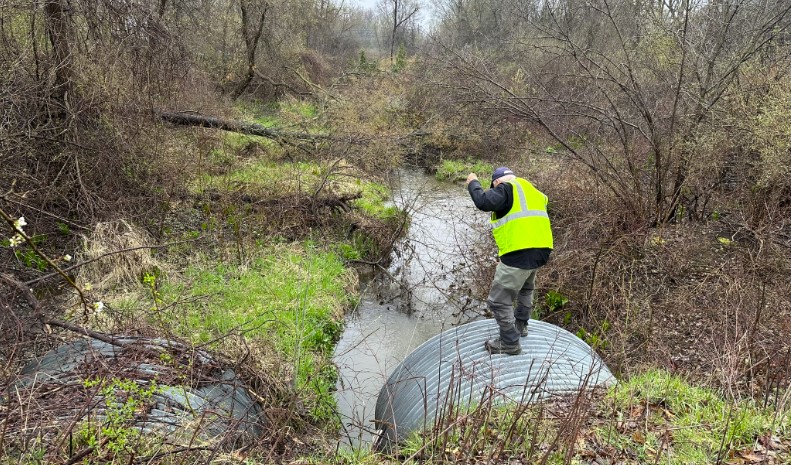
(654, 417)
(258, 270)
(288, 299)
(276, 273)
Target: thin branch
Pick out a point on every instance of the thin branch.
(105, 255)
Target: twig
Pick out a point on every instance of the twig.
(170, 452)
(114, 252)
(84, 452)
(85, 332)
(281, 84)
(32, 245)
(60, 218)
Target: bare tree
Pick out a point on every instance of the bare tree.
(399, 13)
(253, 18)
(59, 31)
(627, 101)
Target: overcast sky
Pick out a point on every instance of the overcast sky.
(370, 4)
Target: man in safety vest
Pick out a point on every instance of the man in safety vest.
(522, 231)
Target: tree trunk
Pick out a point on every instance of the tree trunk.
(251, 43)
(59, 33)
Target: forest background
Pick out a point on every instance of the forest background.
(158, 156)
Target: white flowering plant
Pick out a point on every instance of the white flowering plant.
(35, 255)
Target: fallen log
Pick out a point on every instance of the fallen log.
(193, 119)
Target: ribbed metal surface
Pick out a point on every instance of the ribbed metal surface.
(221, 408)
(553, 361)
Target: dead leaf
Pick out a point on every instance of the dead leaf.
(752, 457)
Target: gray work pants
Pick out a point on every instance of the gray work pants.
(511, 284)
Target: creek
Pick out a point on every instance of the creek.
(425, 290)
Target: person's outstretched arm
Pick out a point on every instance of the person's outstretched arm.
(491, 200)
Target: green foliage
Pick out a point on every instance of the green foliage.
(555, 300)
(306, 109)
(771, 136)
(63, 228)
(375, 201)
(362, 455)
(487, 433)
(596, 338)
(364, 65)
(116, 433)
(705, 427)
(262, 175)
(400, 59)
(27, 255)
(30, 259)
(264, 113)
(457, 170)
(348, 251)
(661, 49)
(290, 297)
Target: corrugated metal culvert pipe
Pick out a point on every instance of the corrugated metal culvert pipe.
(193, 396)
(553, 361)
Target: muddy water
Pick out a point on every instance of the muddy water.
(424, 291)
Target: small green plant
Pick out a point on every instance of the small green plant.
(724, 241)
(349, 251)
(364, 64)
(31, 259)
(115, 433)
(400, 59)
(597, 338)
(576, 142)
(555, 300)
(63, 228)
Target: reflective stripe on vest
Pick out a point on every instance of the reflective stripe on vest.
(526, 225)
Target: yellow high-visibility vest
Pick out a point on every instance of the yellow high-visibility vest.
(526, 225)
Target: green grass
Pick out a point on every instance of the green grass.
(457, 170)
(261, 175)
(290, 297)
(375, 201)
(654, 417)
(283, 115)
(279, 114)
(704, 426)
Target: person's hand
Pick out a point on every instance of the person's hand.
(470, 178)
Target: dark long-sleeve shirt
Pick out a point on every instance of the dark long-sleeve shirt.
(499, 200)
